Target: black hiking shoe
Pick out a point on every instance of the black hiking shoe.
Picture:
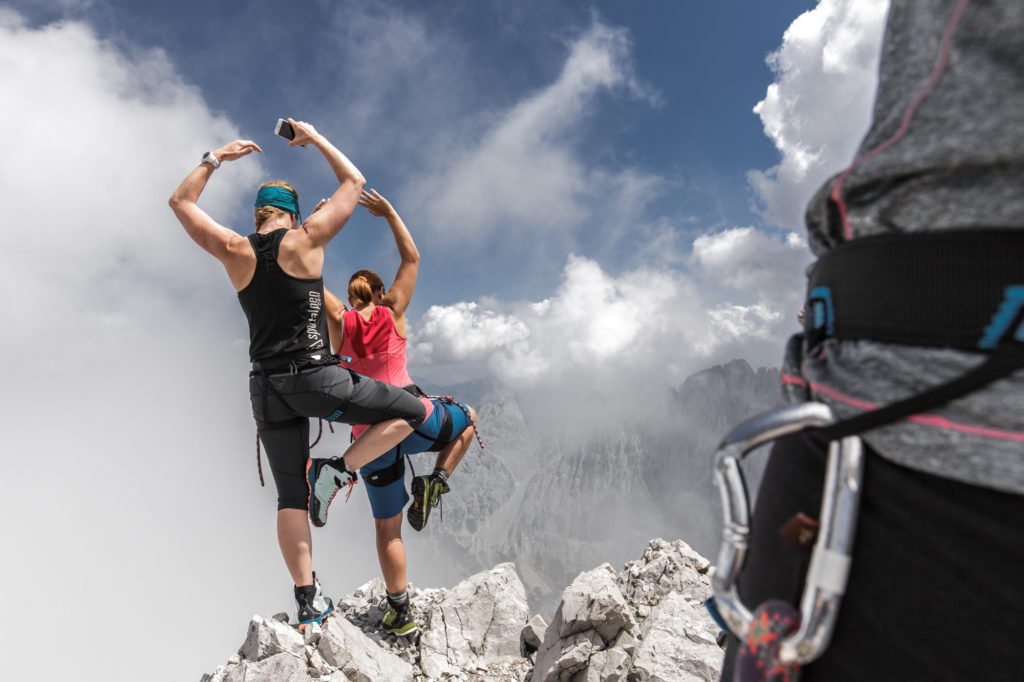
(325, 478)
(426, 494)
(311, 605)
(398, 621)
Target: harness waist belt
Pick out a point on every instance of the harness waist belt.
(959, 289)
(297, 364)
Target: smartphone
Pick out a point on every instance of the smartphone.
(284, 129)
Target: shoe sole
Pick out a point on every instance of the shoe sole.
(310, 483)
(418, 519)
(399, 633)
(319, 621)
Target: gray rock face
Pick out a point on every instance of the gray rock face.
(344, 647)
(532, 635)
(677, 644)
(476, 623)
(478, 631)
(665, 568)
(582, 641)
(470, 632)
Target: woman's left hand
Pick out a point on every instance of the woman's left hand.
(375, 203)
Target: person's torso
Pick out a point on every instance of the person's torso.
(376, 349)
(285, 313)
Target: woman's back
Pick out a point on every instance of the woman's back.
(374, 346)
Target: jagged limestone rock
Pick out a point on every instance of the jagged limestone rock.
(267, 637)
(665, 567)
(474, 624)
(532, 635)
(589, 621)
(280, 667)
(677, 644)
(345, 647)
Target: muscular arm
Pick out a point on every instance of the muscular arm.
(224, 244)
(322, 225)
(400, 294)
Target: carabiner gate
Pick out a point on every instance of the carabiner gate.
(830, 559)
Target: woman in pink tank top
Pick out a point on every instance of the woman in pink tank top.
(371, 337)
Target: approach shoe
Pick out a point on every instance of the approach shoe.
(426, 494)
(311, 605)
(398, 621)
(325, 478)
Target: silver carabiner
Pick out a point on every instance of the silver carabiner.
(830, 559)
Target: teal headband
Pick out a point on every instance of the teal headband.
(279, 197)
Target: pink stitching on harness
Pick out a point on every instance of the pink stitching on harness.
(926, 419)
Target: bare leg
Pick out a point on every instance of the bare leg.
(296, 544)
(391, 552)
(451, 455)
(375, 441)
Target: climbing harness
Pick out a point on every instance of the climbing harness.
(957, 289)
(291, 368)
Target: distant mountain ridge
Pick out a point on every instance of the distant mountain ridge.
(555, 508)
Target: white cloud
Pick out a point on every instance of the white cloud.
(745, 258)
(819, 106)
(127, 435)
(524, 170)
(657, 325)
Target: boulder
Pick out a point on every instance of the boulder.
(474, 624)
(344, 646)
(677, 644)
(582, 641)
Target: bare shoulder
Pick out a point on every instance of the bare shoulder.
(239, 260)
(300, 256)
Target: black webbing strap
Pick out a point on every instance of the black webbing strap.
(383, 477)
(956, 289)
(999, 364)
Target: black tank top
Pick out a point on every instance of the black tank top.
(285, 313)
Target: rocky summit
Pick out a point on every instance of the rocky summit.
(645, 622)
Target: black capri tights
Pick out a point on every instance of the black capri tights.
(282, 405)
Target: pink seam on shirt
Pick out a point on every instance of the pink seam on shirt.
(790, 379)
(940, 66)
(926, 419)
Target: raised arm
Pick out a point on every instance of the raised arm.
(224, 244)
(400, 294)
(322, 225)
(335, 311)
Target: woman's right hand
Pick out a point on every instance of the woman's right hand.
(305, 133)
(236, 149)
(375, 203)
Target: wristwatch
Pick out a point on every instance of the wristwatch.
(209, 158)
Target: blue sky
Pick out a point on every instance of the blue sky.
(607, 197)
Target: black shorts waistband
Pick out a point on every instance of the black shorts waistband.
(305, 363)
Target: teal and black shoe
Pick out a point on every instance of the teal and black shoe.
(426, 494)
(311, 604)
(325, 478)
(398, 621)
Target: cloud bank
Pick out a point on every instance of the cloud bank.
(126, 432)
(819, 106)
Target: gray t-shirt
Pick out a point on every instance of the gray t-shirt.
(958, 164)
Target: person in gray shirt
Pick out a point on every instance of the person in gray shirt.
(935, 589)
